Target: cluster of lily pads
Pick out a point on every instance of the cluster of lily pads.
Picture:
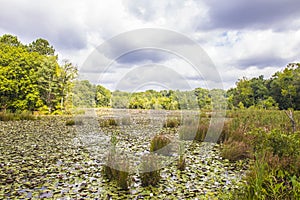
(46, 158)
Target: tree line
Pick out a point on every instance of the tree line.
(281, 91)
(31, 78)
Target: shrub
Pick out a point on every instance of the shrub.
(161, 144)
(171, 123)
(264, 182)
(150, 173)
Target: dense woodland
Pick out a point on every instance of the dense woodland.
(31, 78)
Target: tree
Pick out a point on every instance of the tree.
(10, 40)
(65, 74)
(103, 96)
(19, 88)
(84, 94)
(41, 46)
(243, 93)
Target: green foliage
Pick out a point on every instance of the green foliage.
(31, 79)
(42, 47)
(264, 135)
(281, 91)
(103, 96)
(266, 182)
(150, 173)
(10, 40)
(160, 144)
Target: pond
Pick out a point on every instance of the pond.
(47, 159)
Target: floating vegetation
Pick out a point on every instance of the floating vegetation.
(44, 159)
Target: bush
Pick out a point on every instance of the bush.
(171, 123)
(150, 173)
(161, 144)
(275, 173)
(264, 182)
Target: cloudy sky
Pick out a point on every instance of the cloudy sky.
(232, 39)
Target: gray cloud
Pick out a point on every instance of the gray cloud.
(255, 14)
(261, 61)
(153, 75)
(143, 56)
(43, 19)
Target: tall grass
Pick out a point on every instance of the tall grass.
(24, 115)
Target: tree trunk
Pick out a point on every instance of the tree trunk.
(291, 117)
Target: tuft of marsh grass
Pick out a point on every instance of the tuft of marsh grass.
(150, 173)
(160, 144)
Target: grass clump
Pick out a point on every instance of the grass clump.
(171, 123)
(161, 144)
(117, 170)
(236, 150)
(181, 164)
(193, 132)
(108, 122)
(72, 122)
(150, 173)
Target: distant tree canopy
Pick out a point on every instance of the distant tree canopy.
(32, 79)
(281, 91)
